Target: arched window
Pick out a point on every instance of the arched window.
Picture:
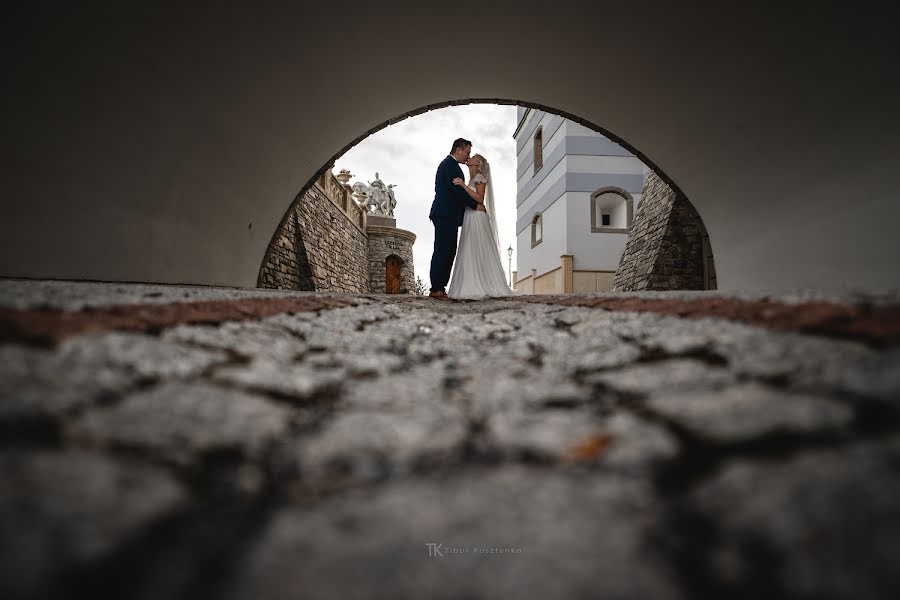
(537, 230)
(612, 211)
(538, 149)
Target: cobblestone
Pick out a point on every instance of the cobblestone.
(183, 422)
(666, 375)
(246, 339)
(38, 384)
(298, 381)
(143, 355)
(314, 448)
(355, 544)
(746, 411)
(59, 510)
(829, 518)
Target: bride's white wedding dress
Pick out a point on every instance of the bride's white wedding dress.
(478, 271)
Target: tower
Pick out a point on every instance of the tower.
(576, 195)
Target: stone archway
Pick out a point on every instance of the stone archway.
(324, 172)
(323, 185)
(204, 141)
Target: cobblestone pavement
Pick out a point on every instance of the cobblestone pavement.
(189, 442)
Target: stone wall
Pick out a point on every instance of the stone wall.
(286, 266)
(668, 247)
(383, 242)
(321, 245)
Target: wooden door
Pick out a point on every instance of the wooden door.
(392, 275)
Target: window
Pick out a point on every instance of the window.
(537, 230)
(612, 211)
(538, 149)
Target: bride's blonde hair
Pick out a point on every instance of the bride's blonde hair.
(483, 167)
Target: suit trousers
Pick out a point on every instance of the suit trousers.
(446, 230)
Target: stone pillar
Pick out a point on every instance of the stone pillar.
(568, 262)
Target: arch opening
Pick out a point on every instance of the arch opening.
(610, 213)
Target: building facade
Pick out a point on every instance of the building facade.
(576, 196)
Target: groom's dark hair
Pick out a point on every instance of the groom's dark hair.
(459, 143)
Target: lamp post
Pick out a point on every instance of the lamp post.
(509, 251)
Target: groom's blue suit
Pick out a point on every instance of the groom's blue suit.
(447, 215)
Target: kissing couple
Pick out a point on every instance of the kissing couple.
(478, 272)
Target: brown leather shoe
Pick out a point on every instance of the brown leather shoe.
(439, 295)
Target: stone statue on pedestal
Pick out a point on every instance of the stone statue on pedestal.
(377, 198)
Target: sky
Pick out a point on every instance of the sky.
(408, 153)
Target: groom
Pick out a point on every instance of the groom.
(447, 215)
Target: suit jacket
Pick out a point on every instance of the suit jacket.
(450, 200)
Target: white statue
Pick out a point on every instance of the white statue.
(377, 198)
(362, 197)
(392, 200)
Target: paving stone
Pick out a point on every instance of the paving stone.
(457, 338)
(827, 518)
(357, 364)
(671, 335)
(420, 388)
(183, 422)
(746, 411)
(362, 446)
(494, 387)
(330, 329)
(663, 376)
(339, 331)
(546, 435)
(387, 425)
(557, 535)
(801, 361)
(874, 375)
(299, 381)
(636, 445)
(41, 384)
(378, 426)
(596, 346)
(144, 355)
(246, 338)
(59, 510)
(75, 295)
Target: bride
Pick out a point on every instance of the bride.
(478, 270)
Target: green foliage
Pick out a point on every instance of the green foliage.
(421, 290)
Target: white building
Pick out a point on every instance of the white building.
(576, 196)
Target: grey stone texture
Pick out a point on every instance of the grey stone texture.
(145, 356)
(746, 411)
(323, 245)
(595, 454)
(668, 247)
(61, 510)
(183, 422)
(385, 242)
(319, 247)
(828, 519)
(501, 534)
(42, 385)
